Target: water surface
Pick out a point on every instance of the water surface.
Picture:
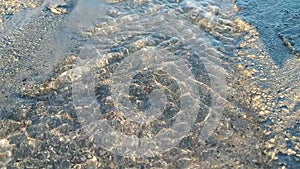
(150, 84)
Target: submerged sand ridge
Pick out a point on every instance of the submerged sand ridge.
(48, 122)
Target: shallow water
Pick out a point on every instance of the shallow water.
(149, 84)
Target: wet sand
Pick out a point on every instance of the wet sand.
(40, 128)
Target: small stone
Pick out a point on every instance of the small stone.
(272, 140)
(58, 8)
(290, 151)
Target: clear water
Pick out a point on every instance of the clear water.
(150, 84)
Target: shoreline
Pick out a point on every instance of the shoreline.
(253, 87)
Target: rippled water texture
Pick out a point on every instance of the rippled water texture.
(149, 84)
